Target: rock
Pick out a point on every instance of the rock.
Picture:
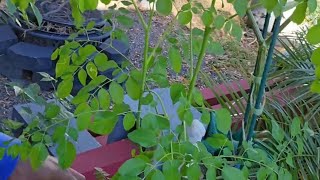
(31, 57)
(85, 141)
(115, 50)
(7, 38)
(8, 69)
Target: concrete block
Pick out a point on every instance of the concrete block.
(7, 38)
(115, 50)
(85, 141)
(31, 57)
(8, 69)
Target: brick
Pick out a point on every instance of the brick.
(7, 38)
(116, 51)
(85, 141)
(31, 57)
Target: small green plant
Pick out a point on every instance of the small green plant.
(164, 153)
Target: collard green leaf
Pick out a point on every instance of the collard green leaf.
(132, 167)
(38, 155)
(185, 17)
(313, 35)
(175, 59)
(129, 121)
(143, 137)
(223, 119)
(116, 92)
(164, 7)
(299, 13)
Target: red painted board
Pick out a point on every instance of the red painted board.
(108, 157)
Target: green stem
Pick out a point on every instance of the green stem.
(199, 62)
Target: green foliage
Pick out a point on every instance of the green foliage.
(166, 153)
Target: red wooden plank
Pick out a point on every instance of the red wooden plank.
(108, 157)
(210, 97)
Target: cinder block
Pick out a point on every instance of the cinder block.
(8, 69)
(7, 38)
(85, 141)
(31, 57)
(115, 50)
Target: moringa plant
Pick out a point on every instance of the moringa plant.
(163, 152)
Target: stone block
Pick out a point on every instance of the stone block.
(8, 69)
(31, 57)
(7, 38)
(115, 50)
(85, 141)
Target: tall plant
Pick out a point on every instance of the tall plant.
(164, 153)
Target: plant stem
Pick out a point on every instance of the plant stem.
(199, 62)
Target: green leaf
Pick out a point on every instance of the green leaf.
(64, 88)
(103, 122)
(94, 103)
(315, 86)
(126, 3)
(164, 7)
(185, 17)
(73, 133)
(313, 35)
(132, 167)
(151, 121)
(176, 91)
(312, 5)
(92, 70)
(289, 160)
(101, 62)
(300, 145)
(143, 137)
(223, 119)
(116, 93)
(241, 7)
(211, 173)
(295, 127)
(207, 18)
(219, 21)
(51, 110)
(2, 152)
(315, 58)
(269, 4)
(133, 88)
(37, 136)
(175, 59)
(299, 13)
(231, 173)
(205, 117)
(171, 170)
(218, 141)
(194, 171)
(83, 115)
(158, 175)
(129, 121)
(284, 174)
(59, 133)
(125, 20)
(82, 76)
(104, 99)
(147, 99)
(88, 5)
(277, 132)
(38, 155)
(106, 2)
(90, 25)
(197, 96)
(236, 31)
(66, 154)
(37, 13)
(215, 48)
